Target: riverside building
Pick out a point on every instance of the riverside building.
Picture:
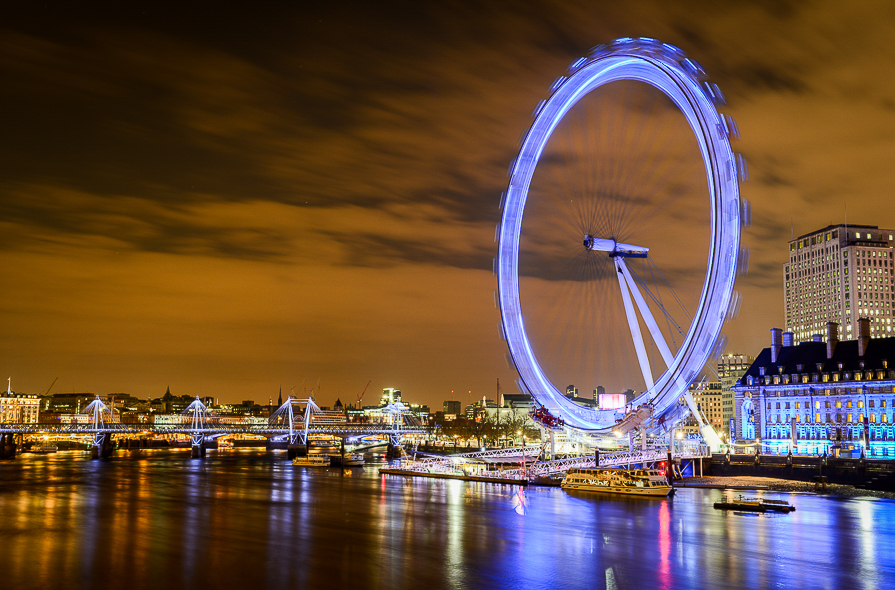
(709, 401)
(18, 407)
(815, 395)
(730, 368)
(839, 274)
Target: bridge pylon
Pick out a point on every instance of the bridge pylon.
(8, 446)
(399, 415)
(200, 419)
(101, 419)
(298, 419)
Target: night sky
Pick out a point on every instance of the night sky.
(226, 200)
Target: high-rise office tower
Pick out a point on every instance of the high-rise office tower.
(390, 395)
(838, 274)
(452, 407)
(730, 368)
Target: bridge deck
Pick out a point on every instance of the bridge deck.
(261, 430)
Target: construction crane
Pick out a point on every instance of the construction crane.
(47, 392)
(361, 396)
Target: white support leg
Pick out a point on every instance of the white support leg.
(708, 433)
(635, 326)
(645, 313)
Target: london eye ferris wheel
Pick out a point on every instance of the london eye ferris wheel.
(619, 237)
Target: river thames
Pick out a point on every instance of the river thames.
(249, 519)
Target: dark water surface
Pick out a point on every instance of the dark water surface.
(247, 519)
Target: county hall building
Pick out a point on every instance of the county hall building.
(810, 396)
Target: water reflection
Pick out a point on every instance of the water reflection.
(241, 519)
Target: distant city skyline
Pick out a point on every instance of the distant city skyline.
(231, 201)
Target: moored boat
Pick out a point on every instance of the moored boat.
(45, 449)
(311, 461)
(633, 482)
(755, 505)
(348, 460)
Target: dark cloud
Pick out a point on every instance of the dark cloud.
(320, 182)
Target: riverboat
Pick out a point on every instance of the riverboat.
(633, 482)
(349, 460)
(311, 461)
(45, 449)
(755, 505)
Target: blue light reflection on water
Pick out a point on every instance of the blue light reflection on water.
(246, 519)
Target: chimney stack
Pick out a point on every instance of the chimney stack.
(863, 335)
(776, 343)
(832, 338)
(817, 338)
(788, 339)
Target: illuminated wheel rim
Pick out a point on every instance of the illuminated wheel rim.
(665, 68)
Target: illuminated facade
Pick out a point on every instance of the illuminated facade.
(18, 407)
(730, 368)
(838, 274)
(390, 395)
(452, 408)
(814, 395)
(709, 401)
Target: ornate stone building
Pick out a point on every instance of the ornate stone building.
(815, 395)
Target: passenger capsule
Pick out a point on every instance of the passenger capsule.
(693, 68)
(673, 51)
(743, 261)
(745, 213)
(598, 50)
(732, 130)
(713, 93)
(733, 310)
(720, 346)
(742, 169)
(575, 65)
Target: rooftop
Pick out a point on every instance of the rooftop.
(809, 354)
